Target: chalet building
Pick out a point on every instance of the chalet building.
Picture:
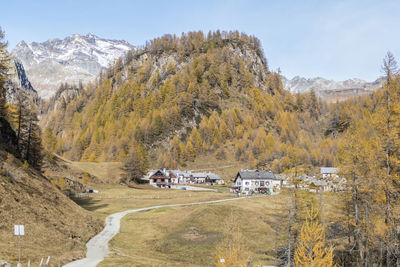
(165, 178)
(329, 172)
(174, 177)
(180, 177)
(160, 178)
(331, 177)
(256, 181)
(327, 181)
(317, 186)
(198, 178)
(205, 178)
(213, 178)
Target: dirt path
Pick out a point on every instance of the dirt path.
(97, 247)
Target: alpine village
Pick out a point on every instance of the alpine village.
(190, 150)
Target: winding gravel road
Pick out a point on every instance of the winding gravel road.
(97, 247)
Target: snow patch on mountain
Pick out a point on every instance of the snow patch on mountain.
(73, 59)
(302, 85)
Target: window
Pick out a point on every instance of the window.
(262, 183)
(257, 183)
(247, 183)
(246, 189)
(266, 182)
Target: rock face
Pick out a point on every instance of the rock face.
(18, 80)
(301, 85)
(71, 60)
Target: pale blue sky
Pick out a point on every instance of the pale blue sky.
(332, 39)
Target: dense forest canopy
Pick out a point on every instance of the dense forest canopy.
(188, 96)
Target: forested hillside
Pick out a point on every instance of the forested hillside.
(181, 97)
(52, 221)
(369, 157)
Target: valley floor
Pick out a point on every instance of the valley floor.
(190, 236)
(178, 236)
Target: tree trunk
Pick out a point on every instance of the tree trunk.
(19, 129)
(295, 222)
(357, 230)
(366, 253)
(27, 155)
(290, 231)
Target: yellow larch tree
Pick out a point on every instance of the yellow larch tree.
(231, 252)
(312, 250)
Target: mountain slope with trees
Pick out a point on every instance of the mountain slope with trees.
(368, 157)
(181, 97)
(52, 221)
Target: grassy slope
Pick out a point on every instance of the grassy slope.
(106, 172)
(54, 225)
(102, 172)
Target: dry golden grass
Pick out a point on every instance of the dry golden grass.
(54, 225)
(107, 172)
(188, 236)
(101, 172)
(115, 198)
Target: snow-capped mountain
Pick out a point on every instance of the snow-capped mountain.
(73, 59)
(301, 85)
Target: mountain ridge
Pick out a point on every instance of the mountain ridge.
(79, 58)
(301, 85)
(74, 59)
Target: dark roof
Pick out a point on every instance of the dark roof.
(159, 172)
(214, 176)
(256, 174)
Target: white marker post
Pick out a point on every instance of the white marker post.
(48, 260)
(19, 231)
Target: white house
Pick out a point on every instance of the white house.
(329, 172)
(256, 181)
